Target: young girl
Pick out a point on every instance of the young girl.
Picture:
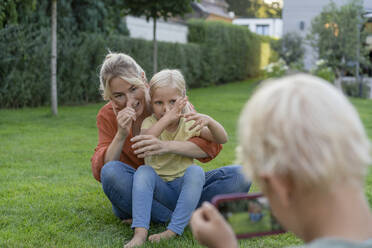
(174, 178)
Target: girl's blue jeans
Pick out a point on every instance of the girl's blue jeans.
(182, 194)
(117, 183)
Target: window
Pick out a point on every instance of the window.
(262, 29)
(302, 25)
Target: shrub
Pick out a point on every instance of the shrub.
(275, 69)
(229, 52)
(290, 48)
(352, 89)
(25, 64)
(223, 53)
(323, 71)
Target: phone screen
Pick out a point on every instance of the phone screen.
(249, 215)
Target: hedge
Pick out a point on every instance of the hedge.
(222, 56)
(25, 64)
(230, 52)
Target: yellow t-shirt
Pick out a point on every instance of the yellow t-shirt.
(171, 166)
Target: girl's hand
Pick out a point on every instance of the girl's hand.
(176, 112)
(210, 228)
(148, 145)
(125, 119)
(200, 120)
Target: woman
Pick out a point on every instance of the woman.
(304, 144)
(120, 150)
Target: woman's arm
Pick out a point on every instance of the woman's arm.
(210, 148)
(148, 145)
(113, 151)
(125, 119)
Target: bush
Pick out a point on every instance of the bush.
(275, 69)
(352, 89)
(290, 48)
(25, 64)
(229, 52)
(323, 71)
(223, 53)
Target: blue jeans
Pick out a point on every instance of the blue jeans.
(117, 182)
(181, 194)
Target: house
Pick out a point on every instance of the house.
(272, 27)
(297, 17)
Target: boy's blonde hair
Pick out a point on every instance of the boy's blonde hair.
(301, 126)
(171, 79)
(122, 66)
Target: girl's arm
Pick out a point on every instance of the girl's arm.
(209, 128)
(157, 128)
(168, 118)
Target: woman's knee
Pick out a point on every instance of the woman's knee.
(196, 174)
(116, 174)
(109, 171)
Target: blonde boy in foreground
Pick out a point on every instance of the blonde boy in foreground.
(302, 141)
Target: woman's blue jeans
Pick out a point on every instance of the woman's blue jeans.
(117, 183)
(181, 194)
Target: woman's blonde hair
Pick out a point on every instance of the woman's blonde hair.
(172, 79)
(301, 126)
(122, 66)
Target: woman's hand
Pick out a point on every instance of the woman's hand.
(148, 145)
(201, 120)
(125, 119)
(210, 228)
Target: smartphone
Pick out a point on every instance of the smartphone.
(248, 214)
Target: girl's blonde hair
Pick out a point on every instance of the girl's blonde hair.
(122, 66)
(172, 79)
(302, 127)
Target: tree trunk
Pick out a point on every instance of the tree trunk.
(155, 55)
(53, 85)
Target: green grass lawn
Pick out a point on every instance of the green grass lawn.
(48, 196)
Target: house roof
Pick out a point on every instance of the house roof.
(368, 13)
(218, 8)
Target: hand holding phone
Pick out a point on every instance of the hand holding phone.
(211, 229)
(248, 214)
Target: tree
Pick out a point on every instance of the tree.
(155, 10)
(53, 85)
(335, 34)
(290, 48)
(12, 10)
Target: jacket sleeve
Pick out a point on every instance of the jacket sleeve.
(210, 148)
(106, 133)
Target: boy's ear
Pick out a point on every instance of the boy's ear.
(278, 187)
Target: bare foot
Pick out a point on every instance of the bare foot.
(139, 237)
(127, 221)
(168, 234)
